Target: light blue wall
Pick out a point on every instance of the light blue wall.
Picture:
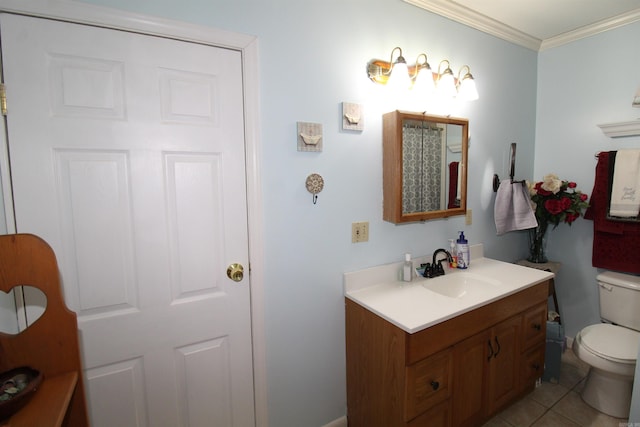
(312, 58)
(582, 84)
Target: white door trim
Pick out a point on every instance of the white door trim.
(85, 13)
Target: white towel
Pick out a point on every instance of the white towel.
(625, 190)
(512, 210)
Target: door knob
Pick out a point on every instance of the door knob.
(235, 272)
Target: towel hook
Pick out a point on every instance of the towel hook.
(512, 170)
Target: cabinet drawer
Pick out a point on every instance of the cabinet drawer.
(532, 367)
(534, 326)
(428, 382)
(437, 416)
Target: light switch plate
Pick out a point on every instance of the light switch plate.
(360, 232)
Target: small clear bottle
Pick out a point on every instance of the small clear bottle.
(454, 253)
(407, 268)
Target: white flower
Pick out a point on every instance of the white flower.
(552, 183)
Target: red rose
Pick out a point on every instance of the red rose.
(572, 185)
(565, 202)
(541, 191)
(571, 217)
(553, 206)
(583, 197)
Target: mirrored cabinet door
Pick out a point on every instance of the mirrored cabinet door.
(424, 166)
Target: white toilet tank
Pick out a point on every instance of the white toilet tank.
(620, 299)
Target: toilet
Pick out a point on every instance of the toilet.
(611, 348)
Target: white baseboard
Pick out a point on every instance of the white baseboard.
(340, 422)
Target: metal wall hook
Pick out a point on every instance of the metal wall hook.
(314, 184)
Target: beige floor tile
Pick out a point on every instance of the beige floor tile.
(571, 375)
(497, 422)
(573, 407)
(553, 419)
(523, 413)
(548, 394)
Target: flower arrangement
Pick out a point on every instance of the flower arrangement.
(554, 201)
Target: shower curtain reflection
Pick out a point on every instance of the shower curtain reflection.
(423, 154)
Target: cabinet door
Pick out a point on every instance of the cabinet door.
(471, 357)
(504, 364)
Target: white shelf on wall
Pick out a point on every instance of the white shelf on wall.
(621, 129)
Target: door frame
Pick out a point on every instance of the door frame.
(84, 13)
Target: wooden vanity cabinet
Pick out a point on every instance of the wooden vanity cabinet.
(457, 373)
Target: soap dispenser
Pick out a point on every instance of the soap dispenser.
(463, 251)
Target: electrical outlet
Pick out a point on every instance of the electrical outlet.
(360, 232)
(468, 217)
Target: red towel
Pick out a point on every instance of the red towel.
(453, 186)
(616, 245)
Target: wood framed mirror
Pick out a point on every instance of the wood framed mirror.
(424, 166)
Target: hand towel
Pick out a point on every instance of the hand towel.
(512, 209)
(625, 190)
(613, 241)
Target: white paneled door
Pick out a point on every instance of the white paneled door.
(127, 156)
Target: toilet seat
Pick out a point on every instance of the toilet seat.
(611, 342)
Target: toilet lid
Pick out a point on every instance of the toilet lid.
(612, 342)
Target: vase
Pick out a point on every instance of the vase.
(538, 243)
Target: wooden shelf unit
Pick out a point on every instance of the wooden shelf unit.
(49, 345)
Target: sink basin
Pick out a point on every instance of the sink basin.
(462, 285)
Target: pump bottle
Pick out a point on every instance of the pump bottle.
(463, 251)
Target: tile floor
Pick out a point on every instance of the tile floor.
(556, 405)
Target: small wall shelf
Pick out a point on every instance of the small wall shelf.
(621, 129)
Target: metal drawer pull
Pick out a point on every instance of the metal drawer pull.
(435, 385)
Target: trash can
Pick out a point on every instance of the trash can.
(553, 352)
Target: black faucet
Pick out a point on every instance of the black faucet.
(438, 270)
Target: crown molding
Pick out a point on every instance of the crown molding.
(456, 12)
(476, 20)
(590, 30)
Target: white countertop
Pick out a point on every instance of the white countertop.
(412, 307)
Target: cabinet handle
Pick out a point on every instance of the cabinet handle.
(435, 385)
(536, 367)
(537, 326)
(498, 351)
(490, 350)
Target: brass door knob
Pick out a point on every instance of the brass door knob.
(235, 272)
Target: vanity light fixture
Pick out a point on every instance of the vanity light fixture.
(420, 77)
(446, 86)
(467, 85)
(399, 78)
(423, 80)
